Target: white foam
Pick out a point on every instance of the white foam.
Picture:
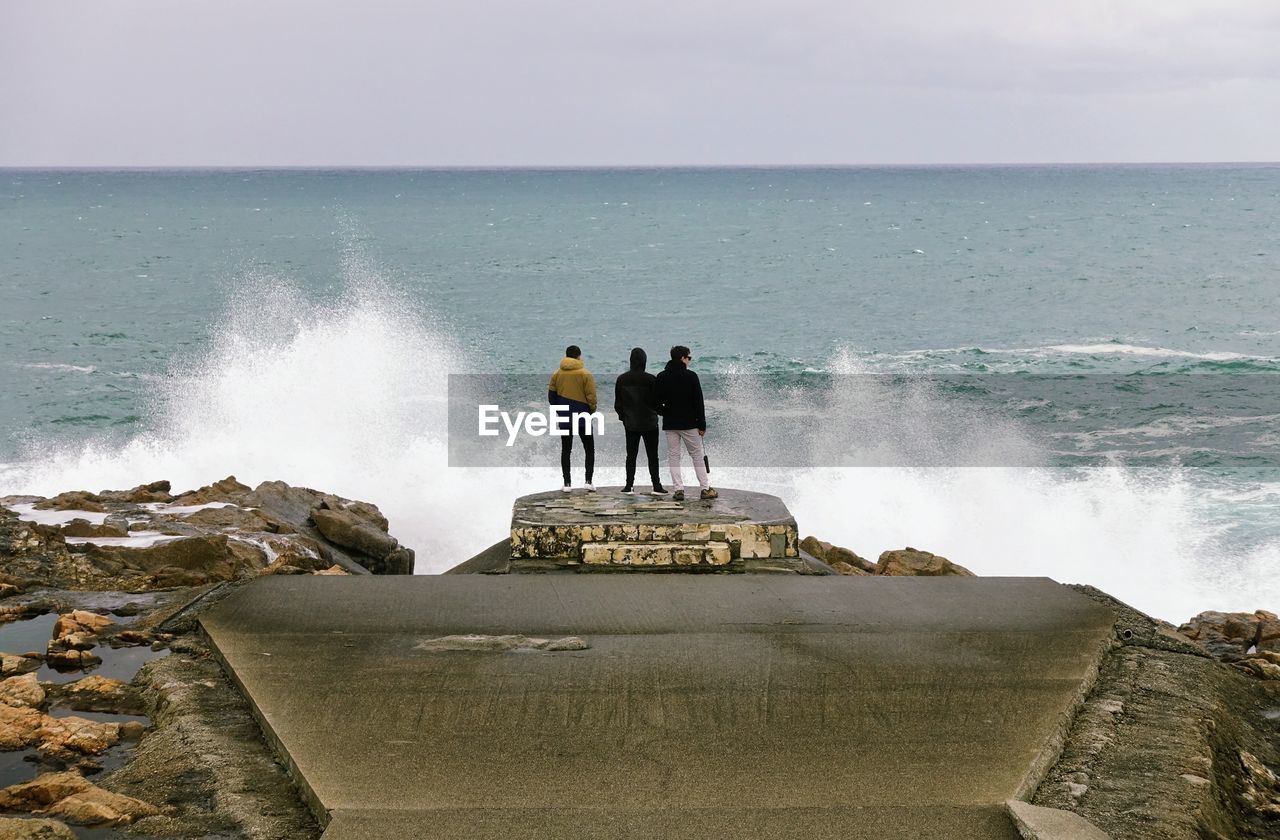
(349, 397)
(184, 510)
(29, 513)
(57, 366)
(136, 539)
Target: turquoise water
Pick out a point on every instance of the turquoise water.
(296, 325)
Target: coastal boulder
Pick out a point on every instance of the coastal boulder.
(843, 560)
(80, 622)
(73, 500)
(72, 797)
(17, 828)
(912, 562)
(77, 734)
(1229, 635)
(156, 491)
(84, 528)
(12, 665)
(226, 490)
(22, 692)
(99, 694)
(19, 728)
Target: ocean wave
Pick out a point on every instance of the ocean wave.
(56, 366)
(350, 396)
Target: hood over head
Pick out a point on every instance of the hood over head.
(638, 359)
(570, 364)
(675, 364)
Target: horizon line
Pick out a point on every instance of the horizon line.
(338, 167)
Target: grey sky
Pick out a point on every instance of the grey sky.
(599, 82)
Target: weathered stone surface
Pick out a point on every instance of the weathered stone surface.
(43, 791)
(81, 622)
(156, 491)
(1154, 752)
(332, 570)
(1229, 635)
(1038, 823)
(95, 806)
(908, 562)
(19, 727)
(98, 694)
(611, 530)
(24, 691)
(73, 500)
(85, 528)
(843, 560)
(13, 665)
(709, 554)
(344, 528)
(77, 734)
(497, 644)
(226, 490)
(16, 828)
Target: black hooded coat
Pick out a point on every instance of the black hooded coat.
(636, 396)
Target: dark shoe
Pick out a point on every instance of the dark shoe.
(628, 489)
(709, 493)
(658, 490)
(678, 496)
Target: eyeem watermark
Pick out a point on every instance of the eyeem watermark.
(561, 420)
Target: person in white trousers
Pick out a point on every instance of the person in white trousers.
(684, 420)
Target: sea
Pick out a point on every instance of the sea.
(1122, 322)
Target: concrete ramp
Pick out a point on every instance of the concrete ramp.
(704, 706)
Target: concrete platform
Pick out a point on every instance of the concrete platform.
(705, 706)
(608, 530)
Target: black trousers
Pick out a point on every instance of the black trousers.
(650, 449)
(588, 446)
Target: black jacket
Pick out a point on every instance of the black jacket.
(636, 396)
(680, 395)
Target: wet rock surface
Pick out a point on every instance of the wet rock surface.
(94, 585)
(146, 538)
(1170, 743)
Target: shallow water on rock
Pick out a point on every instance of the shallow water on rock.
(33, 634)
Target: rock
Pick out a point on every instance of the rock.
(19, 728)
(845, 568)
(909, 562)
(77, 734)
(11, 665)
(84, 528)
(24, 691)
(346, 529)
(73, 500)
(1259, 667)
(209, 555)
(80, 622)
(14, 828)
(332, 570)
(1268, 631)
(71, 660)
(1226, 635)
(95, 806)
(7, 589)
(815, 547)
(1260, 792)
(280, 567)
(844, 555)
(238, 519)
(98, 694)
(156, 491)
(132, 730)
(171, 577)
(42, 791)
(1038, 823)
(226, 490)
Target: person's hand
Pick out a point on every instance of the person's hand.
(702, 432)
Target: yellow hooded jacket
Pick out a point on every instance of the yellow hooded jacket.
(573, 384)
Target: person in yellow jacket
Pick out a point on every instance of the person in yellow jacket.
(573, 385)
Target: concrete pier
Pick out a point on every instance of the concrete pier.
(684, 706)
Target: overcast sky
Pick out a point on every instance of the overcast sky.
(600, 82)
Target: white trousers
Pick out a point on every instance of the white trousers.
(693, 443)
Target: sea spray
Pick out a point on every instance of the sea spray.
(349, 395)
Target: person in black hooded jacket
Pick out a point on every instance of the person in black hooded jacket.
(636, 403)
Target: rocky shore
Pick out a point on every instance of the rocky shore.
(114, 715)
(119, 718)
